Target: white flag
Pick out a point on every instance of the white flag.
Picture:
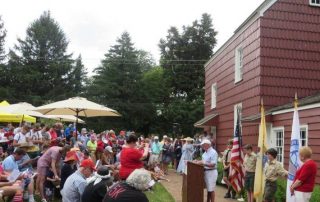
(294, 161)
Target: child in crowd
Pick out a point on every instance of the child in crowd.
(49, 185)
(273, 170)
(249, 163)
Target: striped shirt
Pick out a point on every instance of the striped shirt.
(74, 187)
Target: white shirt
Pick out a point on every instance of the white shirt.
(34, 135)
(210, 157)
(20, 138)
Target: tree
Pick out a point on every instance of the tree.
(3, 34)
(80, 76)
(183, 57)
(118, 83)
(42, 69)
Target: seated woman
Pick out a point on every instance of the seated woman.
(131, 190)
(131, 157)
(98, 185)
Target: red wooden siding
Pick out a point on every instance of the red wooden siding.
(290, 49)
(308, 117)
(221, 71)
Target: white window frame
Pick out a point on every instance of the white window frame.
(235, 116)
(238, 67)
(274, 134)
(314, 3)
(214, 90)
(305, 128)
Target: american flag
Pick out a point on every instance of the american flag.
(236, 166)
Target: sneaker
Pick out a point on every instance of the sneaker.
(43, 200)
(227, 195)
(240, 199)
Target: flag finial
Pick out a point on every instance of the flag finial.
(296, 101)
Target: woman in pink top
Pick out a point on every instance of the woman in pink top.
(49, 159)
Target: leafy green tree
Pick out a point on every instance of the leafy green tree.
(183, 56)
(4, 87)
(41, 68)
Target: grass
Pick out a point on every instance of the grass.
(159, 194)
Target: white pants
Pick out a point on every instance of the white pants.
(210, 178)
(302, 196)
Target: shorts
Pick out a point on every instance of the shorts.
(226, 173)
(302, 196)
(249, 181)
(210, 178)
(270, 191)
(154, 159)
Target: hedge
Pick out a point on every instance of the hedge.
(281, 191)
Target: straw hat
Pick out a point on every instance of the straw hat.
(188, 139)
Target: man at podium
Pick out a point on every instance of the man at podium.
(209, 161)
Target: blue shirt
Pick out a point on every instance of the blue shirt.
(155, 148)
(9, 164)
(210, 157)
(74, 187)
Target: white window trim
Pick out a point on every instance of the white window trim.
(237, 75)
(313, 4)
(307, 133)
(214, 101)
(274, 130)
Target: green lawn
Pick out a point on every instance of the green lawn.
(159, 194)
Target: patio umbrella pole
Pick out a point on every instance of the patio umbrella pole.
(77, 111)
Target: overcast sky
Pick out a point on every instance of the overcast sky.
(93, 26)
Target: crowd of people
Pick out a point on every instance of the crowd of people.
(58, 161)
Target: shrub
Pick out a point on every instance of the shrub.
(315, 197)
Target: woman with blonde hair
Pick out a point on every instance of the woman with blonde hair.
(304, 180)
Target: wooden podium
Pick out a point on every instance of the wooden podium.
(193, 183)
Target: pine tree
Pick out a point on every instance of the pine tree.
(3, 33)
(43, 68)
(80, 76)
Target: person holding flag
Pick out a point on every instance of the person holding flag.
(261, 159)
(304, 180)
(236, 164)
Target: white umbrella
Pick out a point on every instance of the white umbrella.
(76, 106)
(21, 108)
(64, 118)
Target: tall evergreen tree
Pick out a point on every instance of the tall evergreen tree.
(118, 83)
(80, 76)
(42, 68)
(183, 57)
(3, 33)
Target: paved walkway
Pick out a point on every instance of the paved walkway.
(175, 187)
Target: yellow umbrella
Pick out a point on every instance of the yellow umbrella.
(11, 117)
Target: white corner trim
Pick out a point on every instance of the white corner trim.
(267, 7)
(312, 106)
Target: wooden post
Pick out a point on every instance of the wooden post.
(193, 183)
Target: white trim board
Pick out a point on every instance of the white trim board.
(312, 106)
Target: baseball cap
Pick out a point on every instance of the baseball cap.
(156, 137)
(71, 156)
(108, 148)
(205, 141)
(88, 163)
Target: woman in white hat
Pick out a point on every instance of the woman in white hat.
(187, 154)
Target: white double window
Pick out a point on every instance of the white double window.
(278, 142)
(304, 135)
(214, 96)
(315, 2)
(238, 64)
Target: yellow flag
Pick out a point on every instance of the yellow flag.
(259, 180)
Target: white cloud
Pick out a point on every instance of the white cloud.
(93, 26)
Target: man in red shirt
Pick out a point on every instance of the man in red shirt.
(304, 180)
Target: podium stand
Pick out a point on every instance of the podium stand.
(193, 183)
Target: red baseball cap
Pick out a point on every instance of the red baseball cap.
(88, 163)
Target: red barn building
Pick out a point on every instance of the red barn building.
(274, 54)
